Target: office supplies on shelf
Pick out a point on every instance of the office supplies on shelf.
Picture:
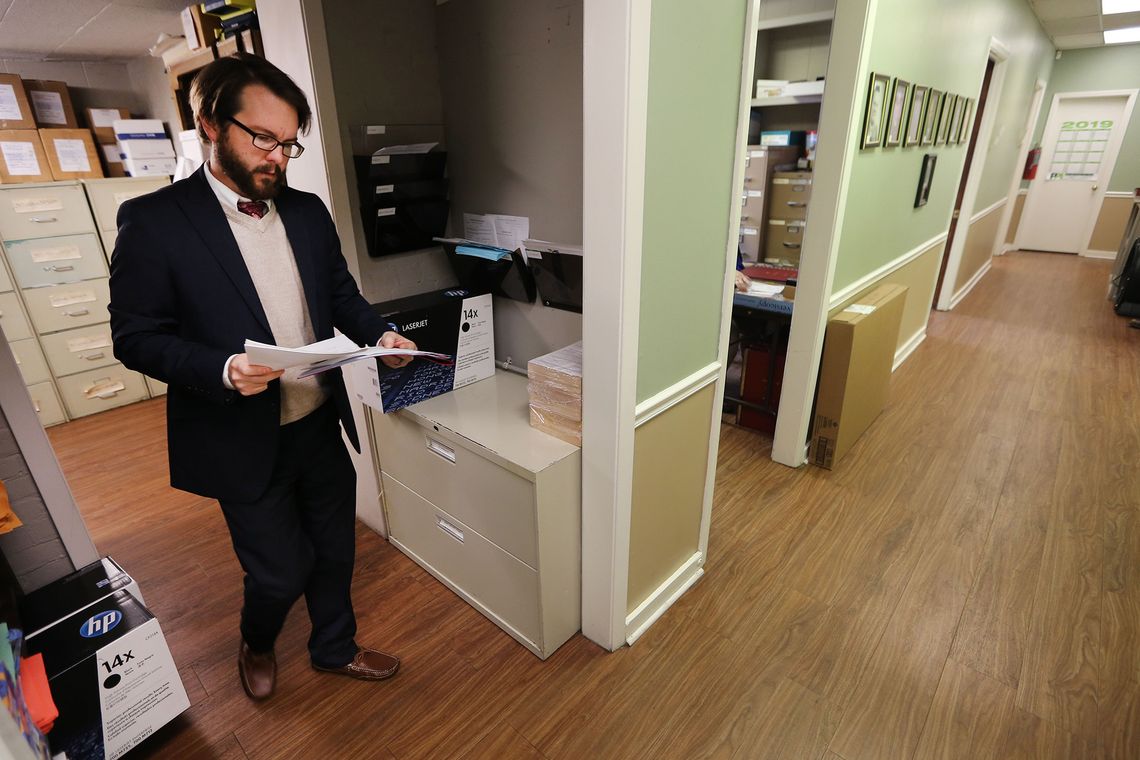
(557, 269)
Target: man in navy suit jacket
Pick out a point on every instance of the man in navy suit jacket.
(232, 253)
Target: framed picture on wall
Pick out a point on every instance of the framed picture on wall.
(967, 122)
(956, 122)
(896, 122)
(925, 178)
(930, 120)
(874, 118)
(918, 96)
(945, 118)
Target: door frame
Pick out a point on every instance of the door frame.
(1011, 197)
(1034, 195)
(999, 53)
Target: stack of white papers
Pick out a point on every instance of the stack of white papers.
(764, 289)
(323, 355)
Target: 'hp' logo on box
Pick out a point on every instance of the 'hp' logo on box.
(97, 625)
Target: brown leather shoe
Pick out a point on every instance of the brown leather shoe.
(368, 665)
(258, 671)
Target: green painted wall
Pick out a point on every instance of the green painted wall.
(1107, 68)
(695, 58)
(944, 45)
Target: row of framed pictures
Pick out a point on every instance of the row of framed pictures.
(901, 113)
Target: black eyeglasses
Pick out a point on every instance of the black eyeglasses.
(268, 143)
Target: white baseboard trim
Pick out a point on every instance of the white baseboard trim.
(646, 614)
(985, 211)
(906, 349)
(1007, 248)
(1099, 254)
(859, 285)
(675, 394)
(965, 290)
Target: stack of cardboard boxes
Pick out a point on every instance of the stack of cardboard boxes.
(41, 139)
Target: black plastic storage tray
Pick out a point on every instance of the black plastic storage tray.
(404, 227)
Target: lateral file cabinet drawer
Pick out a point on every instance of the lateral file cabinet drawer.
(98, 389)
(156, 388)
(50, 261)
(109, 237)
(502, 587)
(5, 280)
(46, 404)
(79, 350)
(107, 195)
(31, 362)
(785, 238)
(436, 465)
(750, 238)
(752, 209)
(43, 212)
(789, 196)
(61, 307)
(12, 319)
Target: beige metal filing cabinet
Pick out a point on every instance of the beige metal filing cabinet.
(489, 506)
(26, 351)
(761, 163)
(57, 263)
(105, 196)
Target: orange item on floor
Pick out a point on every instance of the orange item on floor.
(37, 693)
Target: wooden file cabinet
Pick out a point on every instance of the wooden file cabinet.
(489, 506)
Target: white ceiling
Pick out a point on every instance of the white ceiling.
(87, 30)
(1078, 23)
(96, 30)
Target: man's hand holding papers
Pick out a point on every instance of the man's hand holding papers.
(334, 352)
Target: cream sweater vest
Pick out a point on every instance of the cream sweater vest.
(269, 259)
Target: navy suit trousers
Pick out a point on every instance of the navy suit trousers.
(298, 539)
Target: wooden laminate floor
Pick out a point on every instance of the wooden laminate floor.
(966, 583)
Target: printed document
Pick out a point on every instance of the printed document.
(323, 355)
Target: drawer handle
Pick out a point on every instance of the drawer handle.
(80, 313)
(791, 245)
(797, 204)
(449, 529)
(57, 268)
(44, 220)
(94, 357)
(441, 450)
(36, 403)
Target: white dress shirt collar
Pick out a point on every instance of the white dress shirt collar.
(227, 197)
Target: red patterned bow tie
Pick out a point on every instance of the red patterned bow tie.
(256, 209)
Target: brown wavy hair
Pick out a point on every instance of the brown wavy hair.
(215, 93)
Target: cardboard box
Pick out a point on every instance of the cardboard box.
(51, 104)
(782, 137)
(554, 386)
(200, 29)
(112, 160)
(854, 379)
(149, 166)
(46, 606)
(15, 110)
(455, 322)
(71, 154)
(112, 677)
(22, 157)
(102, 122)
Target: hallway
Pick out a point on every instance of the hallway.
(966, 584)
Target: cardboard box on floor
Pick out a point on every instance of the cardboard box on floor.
(854, 379)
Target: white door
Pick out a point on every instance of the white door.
(1082, 137)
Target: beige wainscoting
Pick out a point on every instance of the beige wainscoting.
(919, 275)
(978, 251)
(670, 460)
(1111, 223)
(1015, 218)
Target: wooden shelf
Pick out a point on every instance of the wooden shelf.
(799, 20)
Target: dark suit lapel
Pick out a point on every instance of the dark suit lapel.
(301, 242)
(201, 206)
